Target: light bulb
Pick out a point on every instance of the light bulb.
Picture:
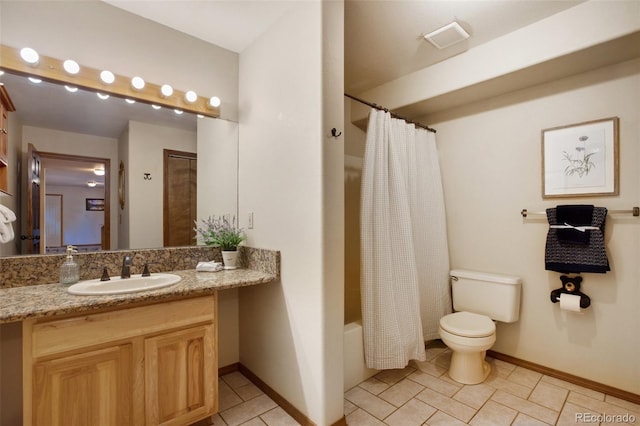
(29, 55)
(102, 96)
(98, 171)
(156, 106)
(177, 111)
(92, 183)
(137, 83)
(35, 80)
(214, 101)
(166, 90)
(71, 89)
(107, 77)
(130, 101)
(71, 66)
(191, 96)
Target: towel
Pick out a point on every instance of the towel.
(6, 232)
(209, 266)
(568, 255)
(6, 214)
(572, 216)
(6, 229)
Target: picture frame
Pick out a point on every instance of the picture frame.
(581, 160)
(95, 204)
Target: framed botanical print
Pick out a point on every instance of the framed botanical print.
(581, 160)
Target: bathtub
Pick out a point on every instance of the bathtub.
(355, 370)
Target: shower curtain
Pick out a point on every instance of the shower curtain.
(405, 259)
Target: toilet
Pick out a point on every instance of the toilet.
(479, 299)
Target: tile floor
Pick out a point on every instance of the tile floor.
(511, 395)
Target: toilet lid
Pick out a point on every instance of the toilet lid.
(468, 324)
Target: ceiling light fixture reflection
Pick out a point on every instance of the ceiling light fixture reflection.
(71, 89)
(166, 90)
(214, 102)
(130, 101)
(191, 96)
(98, 171)
(137, 83)
(154, 106)
(71, 66)
(92, 183)
(107, 77)
(102, 96)
(35, 80)
(30, 56)
(177, 111)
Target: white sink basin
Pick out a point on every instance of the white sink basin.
(119, 285)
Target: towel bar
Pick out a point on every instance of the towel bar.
(635, 211)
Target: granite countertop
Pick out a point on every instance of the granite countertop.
(19, 303)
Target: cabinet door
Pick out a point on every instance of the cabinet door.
(92, 388)
(181, 383)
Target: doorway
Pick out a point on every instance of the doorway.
(180, 198)
(88, 226)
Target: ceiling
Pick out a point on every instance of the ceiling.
(383, 39)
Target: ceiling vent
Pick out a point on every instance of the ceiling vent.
(446, 36)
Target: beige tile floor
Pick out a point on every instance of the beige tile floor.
(511, 395)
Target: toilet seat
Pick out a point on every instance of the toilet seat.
(468, 324)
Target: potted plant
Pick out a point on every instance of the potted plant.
(218, 231)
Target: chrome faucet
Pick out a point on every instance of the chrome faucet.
(126, 267)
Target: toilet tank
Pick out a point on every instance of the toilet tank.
(494, 295)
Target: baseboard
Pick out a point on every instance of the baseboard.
(228, 369)
(590, 384)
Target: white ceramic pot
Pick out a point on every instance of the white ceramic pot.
(230, 259)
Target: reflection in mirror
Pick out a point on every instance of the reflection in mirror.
(77, 132)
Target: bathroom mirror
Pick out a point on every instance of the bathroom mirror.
(47, 107)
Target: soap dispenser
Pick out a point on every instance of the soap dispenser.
(69, 271)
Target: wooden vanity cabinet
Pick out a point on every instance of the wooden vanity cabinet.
(152, 365)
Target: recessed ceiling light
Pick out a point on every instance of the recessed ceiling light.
(447, 36)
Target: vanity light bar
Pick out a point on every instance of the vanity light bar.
(51, 69)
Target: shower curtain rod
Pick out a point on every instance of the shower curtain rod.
(393, 114)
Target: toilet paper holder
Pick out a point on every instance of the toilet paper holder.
(571, 285)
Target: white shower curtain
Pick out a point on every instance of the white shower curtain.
(405, 260)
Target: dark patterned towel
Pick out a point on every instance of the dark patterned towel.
(569, 257)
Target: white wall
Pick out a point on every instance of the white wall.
(99, 35)
(147, 143)
(217, 196)
(490, 157)
(291, 329)
(79, 226)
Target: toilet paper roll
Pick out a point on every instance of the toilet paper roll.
(570, 302)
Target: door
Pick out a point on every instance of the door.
(180, 376)
(91, 388)
(33, 201)
(180, 198)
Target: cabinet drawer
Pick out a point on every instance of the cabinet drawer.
(56, 336)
